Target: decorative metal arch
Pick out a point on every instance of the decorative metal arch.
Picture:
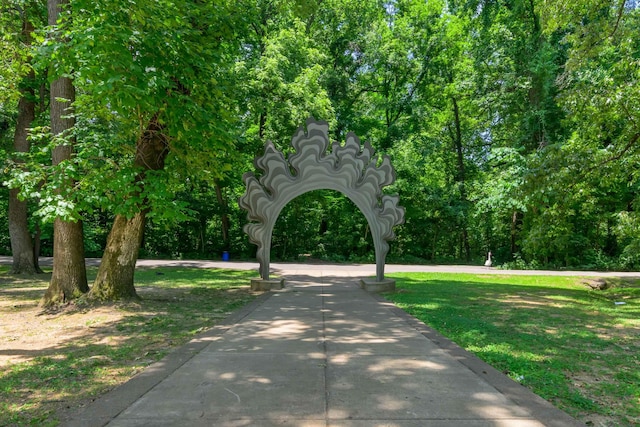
(354, 171)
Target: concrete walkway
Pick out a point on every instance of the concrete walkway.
(322, 352)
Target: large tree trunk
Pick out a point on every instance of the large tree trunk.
(69, 277)
(24, 260)
(115, 275)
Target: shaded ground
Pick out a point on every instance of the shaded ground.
(55, 361)
(27, 331)
(92, 349)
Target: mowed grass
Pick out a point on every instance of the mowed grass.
(576, 347)
(115, 341)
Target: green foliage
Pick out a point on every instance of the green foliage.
(627, 232)
(512, 128)
(280, 77)
(322, 225)
(123, 81)
(15, 49)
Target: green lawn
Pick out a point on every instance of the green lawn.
(573, 346)
(577, 348)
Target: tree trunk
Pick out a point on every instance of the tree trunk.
(224, 216)
(514, 233)
(21, 243)
(69, 277)
(24, 260)
(115, 275)
(116, 272)
(461, 176)
(203, 227)
(36, 246)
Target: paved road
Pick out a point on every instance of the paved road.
(347, 270)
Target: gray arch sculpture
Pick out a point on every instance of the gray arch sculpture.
(353, 170)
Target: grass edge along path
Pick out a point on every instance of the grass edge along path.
(116, 340)
(575, 347)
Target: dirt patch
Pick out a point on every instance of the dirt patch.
(54, 361)
(27, 331)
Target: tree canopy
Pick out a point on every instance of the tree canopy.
(513, 126)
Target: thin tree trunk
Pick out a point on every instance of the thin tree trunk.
(24, 260)
(203, 226)
(514, 233)
(224, 217)
(263, 123)
(36, 246)
(116, 272)
(461, 178)
(434, 248)
(69, 277)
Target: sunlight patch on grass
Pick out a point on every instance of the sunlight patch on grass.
(571, 345)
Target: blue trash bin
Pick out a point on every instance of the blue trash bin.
(225, 256)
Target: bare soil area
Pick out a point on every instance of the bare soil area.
(28, 331)
(54, 361)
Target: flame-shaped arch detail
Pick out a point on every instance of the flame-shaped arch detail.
(352, 169)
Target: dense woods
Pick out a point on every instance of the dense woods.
(513, 127)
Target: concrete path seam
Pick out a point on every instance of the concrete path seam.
(108, 406)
